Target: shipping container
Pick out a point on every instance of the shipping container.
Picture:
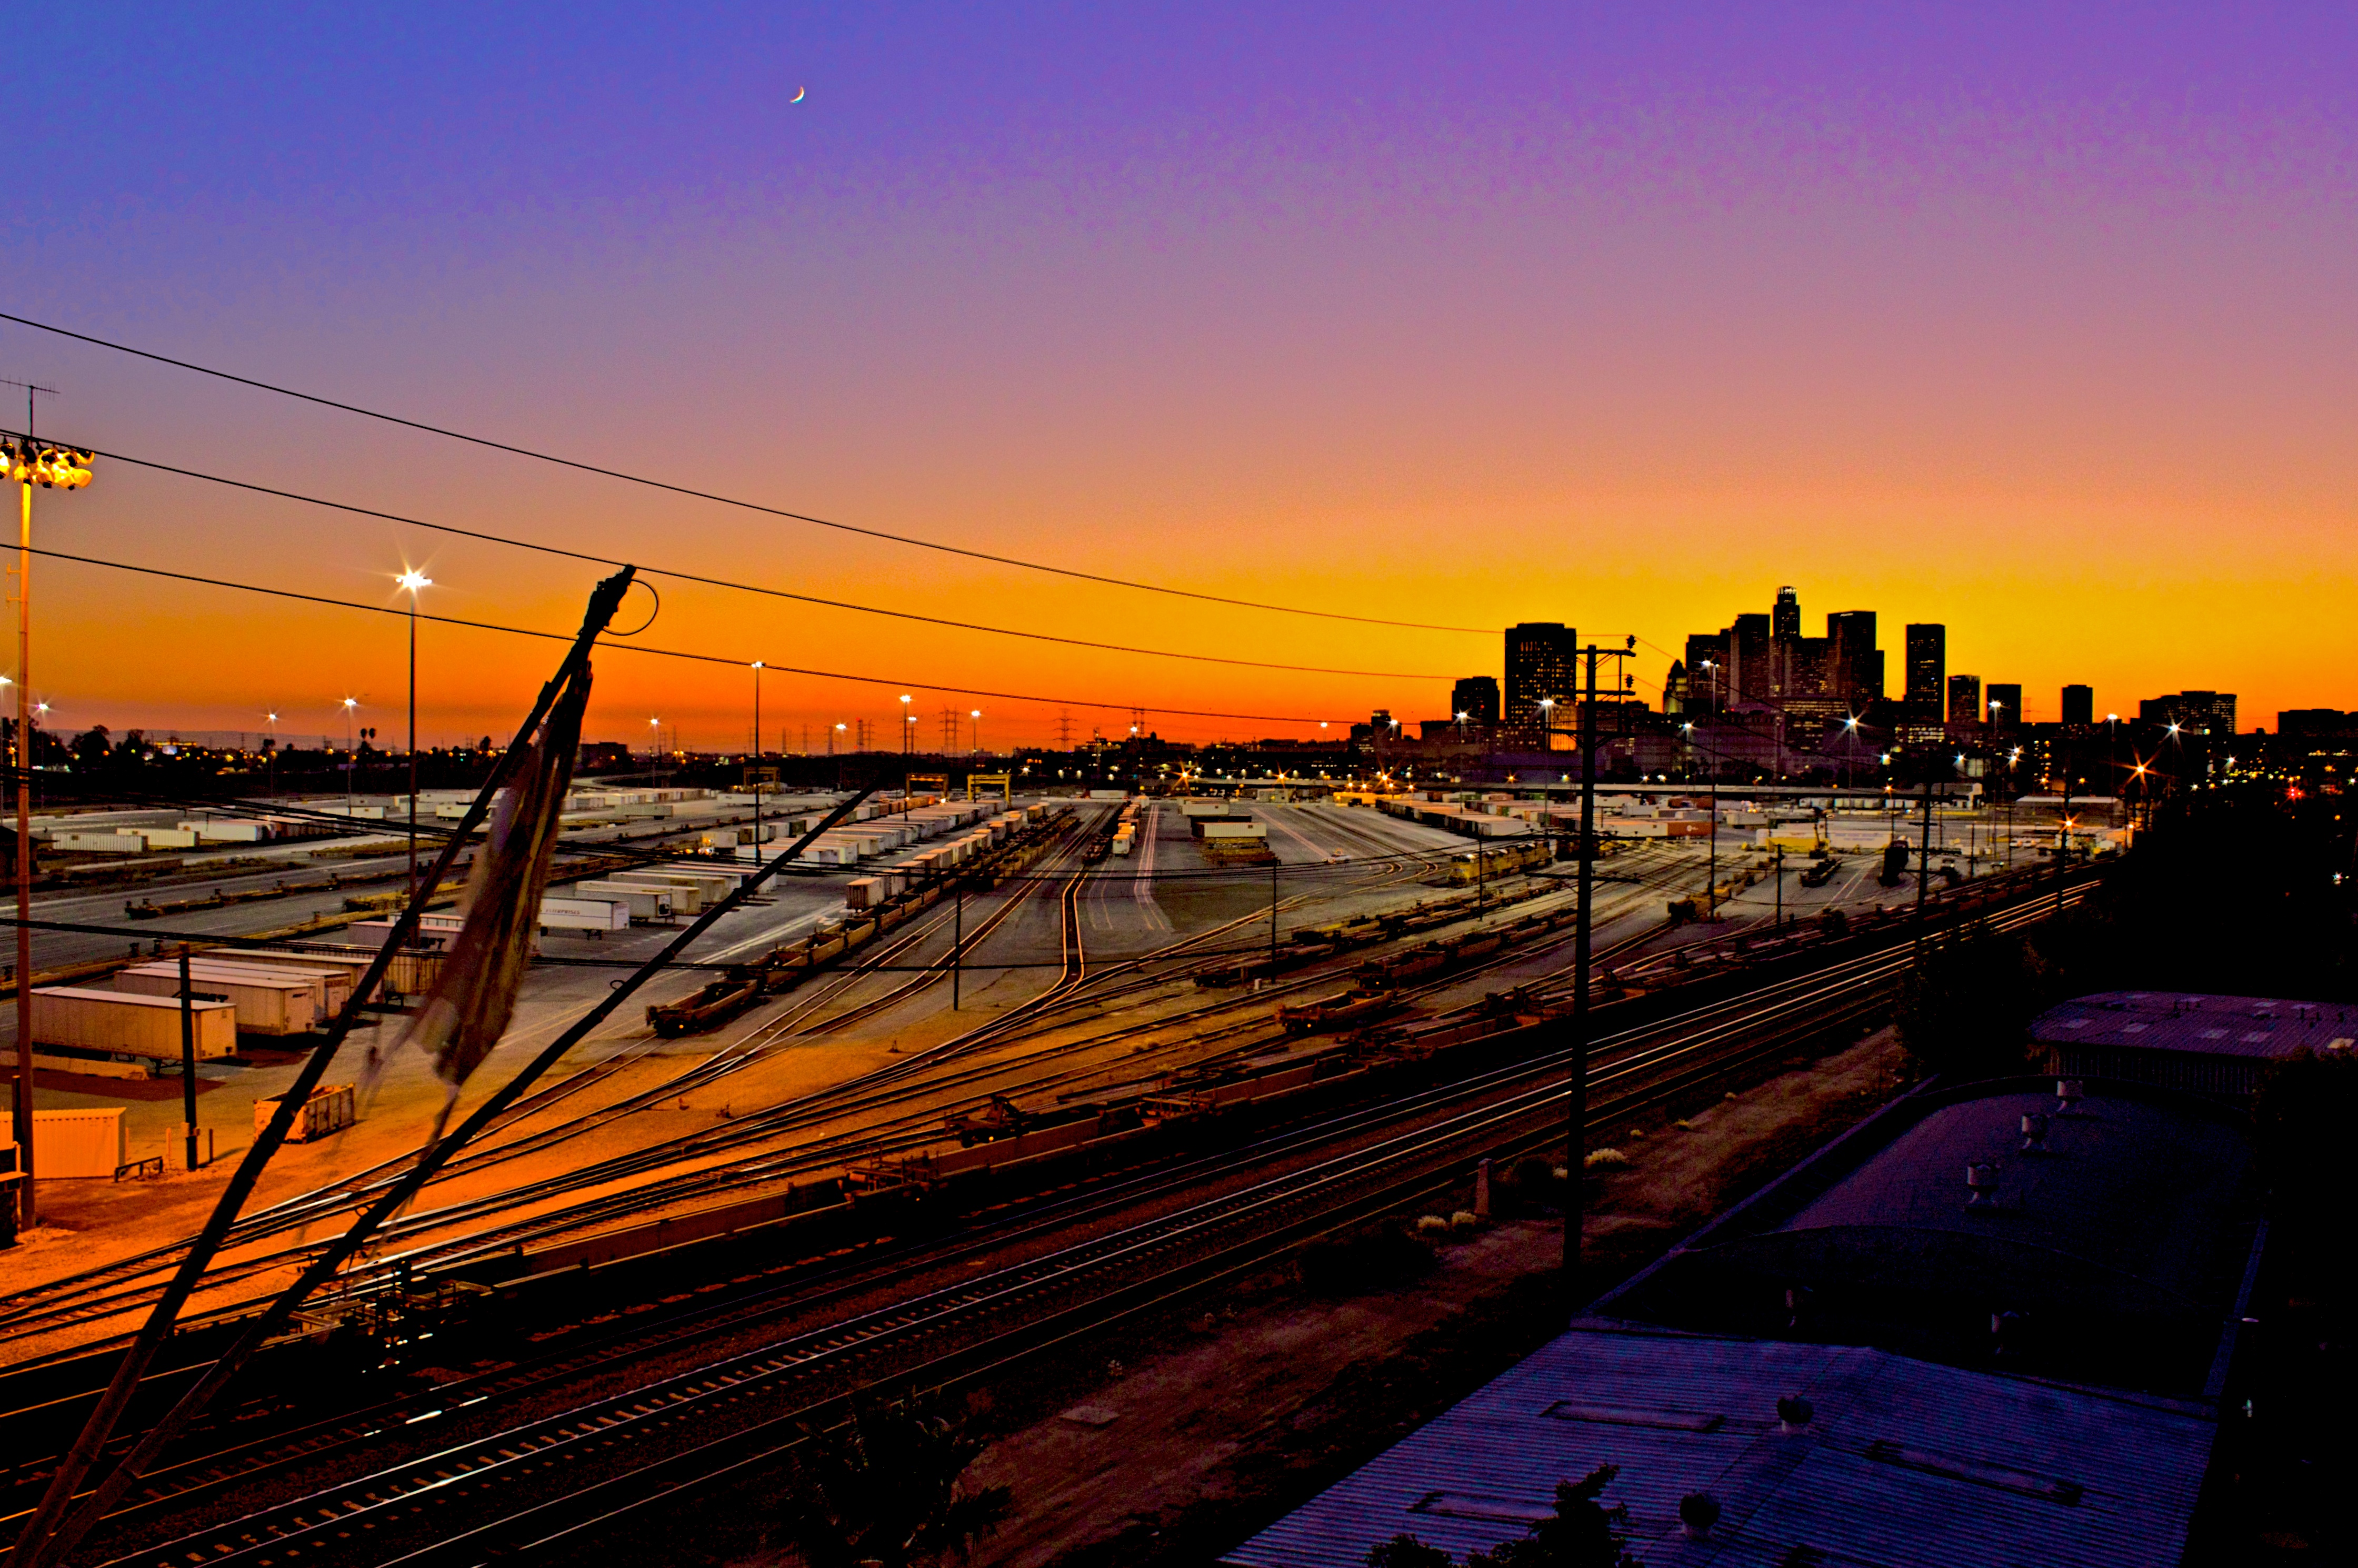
(229, 830)
(645, 903)
(583, 915)
(267, 1004)
(332, 986)
(126, 1024)
(435, 932)
(165, 838)
(862, 893)
(329, 1110)
(687, 898)
(99, 843)
(352, 962)
(87, 1142)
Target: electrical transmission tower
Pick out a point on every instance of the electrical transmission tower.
(1064, 730)
(950, 731)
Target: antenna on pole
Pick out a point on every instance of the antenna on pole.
(32, 390)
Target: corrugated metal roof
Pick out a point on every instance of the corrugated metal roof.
(1904, 1461)
(2261, 1027)
(2122, 1210)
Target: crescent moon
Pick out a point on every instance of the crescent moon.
(800, 92)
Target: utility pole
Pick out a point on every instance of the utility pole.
(1577, 1115)
(412, 580)
(1924, 863)
(1273, 918)
(188, 1056)
(957, 942)
(2064, 840)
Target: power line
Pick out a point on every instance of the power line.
(627, 646)
(709, 581)
(579, 467)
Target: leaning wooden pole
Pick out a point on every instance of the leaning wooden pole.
(42, 1539)
(267, 1324)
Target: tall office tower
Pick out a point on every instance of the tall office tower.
(1855, 666)
(2080, 705)
(1928, 672)
(1477, 696)
(1787, 618)
(2205, 712)
(1964, 699)
(2005, 703)
(1706, 664)
(1751, 674)
(1542, 665)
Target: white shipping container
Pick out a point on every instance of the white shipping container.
(685, 898)
(91, 1020)
(583, 915)
(862, 893)
(645, 903)
(332, 986)
(265, 1004)
(165, 838)
(99, 843)
(229, 830)
(435, 932)
(87, 1142)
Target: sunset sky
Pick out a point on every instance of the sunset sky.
(2037, 321)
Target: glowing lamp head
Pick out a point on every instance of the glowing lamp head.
(414, 580)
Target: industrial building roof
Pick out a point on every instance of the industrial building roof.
(2123, 1209)
(1901, 1462)
(2210, 1025)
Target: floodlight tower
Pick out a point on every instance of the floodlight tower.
(29, 462)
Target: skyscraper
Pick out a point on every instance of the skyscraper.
(1706, 664)
(2080, 705)
(1964, 699)
(1786, 619)
(1542, 665)
(1750, 676)
(1856, 662)
(1928, 672)
(2004, 702)
(1476, 696)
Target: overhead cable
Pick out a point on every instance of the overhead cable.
(709, 581)
(771, 664)
(693, 494)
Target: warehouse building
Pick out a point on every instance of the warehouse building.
(1990, 1324)
(2221, 1045)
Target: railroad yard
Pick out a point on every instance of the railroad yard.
(898, 1143)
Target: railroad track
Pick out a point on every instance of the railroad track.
(41, 1312)
(1628, 1070)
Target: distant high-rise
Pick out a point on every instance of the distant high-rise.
(2080, 705)
(2204, 712)
(1786, 619)
(1476, 696)
(1964, 699)
(1928, 672)
(1751, 677)
(1542, 665)
(1856, 663)
(1706, 666)
(2004, 702)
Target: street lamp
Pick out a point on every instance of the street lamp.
(908, 736)
(412, 580)
(270, 758)
(352, 758)
(974, 731)
(29, 462)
